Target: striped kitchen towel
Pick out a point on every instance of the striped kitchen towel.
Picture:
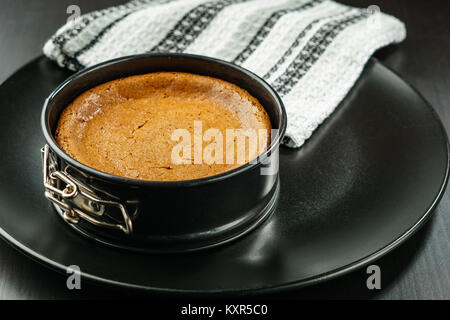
(310, 51)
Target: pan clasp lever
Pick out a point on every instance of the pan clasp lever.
(78, 201)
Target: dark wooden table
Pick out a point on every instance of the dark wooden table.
(419, 269)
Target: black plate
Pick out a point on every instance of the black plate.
(369, 177)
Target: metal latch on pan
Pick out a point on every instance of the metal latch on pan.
(78, 201)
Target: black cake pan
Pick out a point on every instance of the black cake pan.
(160, 216)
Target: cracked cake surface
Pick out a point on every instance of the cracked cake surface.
(126, 127)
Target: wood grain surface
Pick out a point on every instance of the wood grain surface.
(419, 269)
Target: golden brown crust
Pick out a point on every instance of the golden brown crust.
(124, 127)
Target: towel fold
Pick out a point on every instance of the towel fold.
(310, 51)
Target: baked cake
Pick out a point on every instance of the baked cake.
(127, 127)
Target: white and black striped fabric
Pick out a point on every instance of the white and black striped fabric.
(310, 51)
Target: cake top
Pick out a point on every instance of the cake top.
(164, 126)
